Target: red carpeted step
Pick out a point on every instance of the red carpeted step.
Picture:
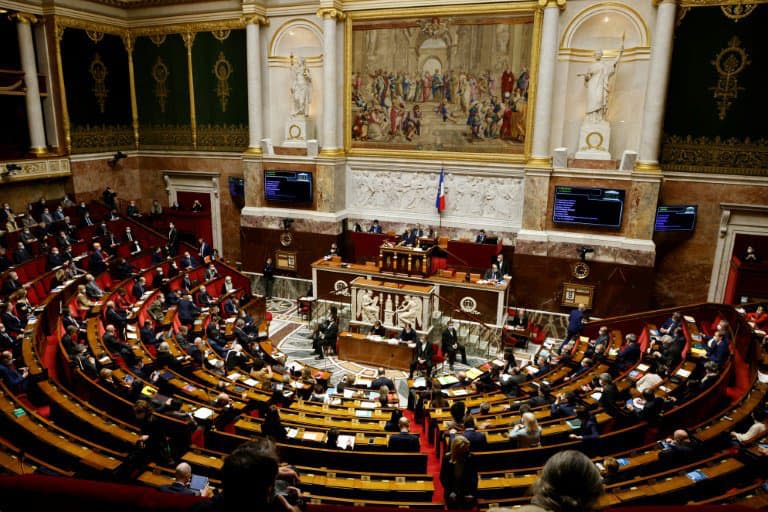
(433, 463)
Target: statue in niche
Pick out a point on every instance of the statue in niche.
(301, 84)
(597, 80)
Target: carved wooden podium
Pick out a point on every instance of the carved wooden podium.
(412, 261)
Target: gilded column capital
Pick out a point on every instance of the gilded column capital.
(656, 3)
(22, 17)
(543, 4)
(255, 19)
(189, 39)
(129, 41)
(330, 12)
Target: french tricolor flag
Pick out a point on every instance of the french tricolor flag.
(440, 199)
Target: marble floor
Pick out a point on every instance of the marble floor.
(291, 335)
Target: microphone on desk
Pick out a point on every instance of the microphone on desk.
(467, 277)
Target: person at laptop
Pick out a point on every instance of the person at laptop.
(182, 481)
(493, 274)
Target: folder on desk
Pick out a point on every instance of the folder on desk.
(447, 380)
(474, 373)
(363, 414)
(697, 475)
(345, 442)
(574, 424)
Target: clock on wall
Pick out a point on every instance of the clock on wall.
(580, 270)
(286, 238)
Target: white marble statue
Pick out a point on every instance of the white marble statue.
(409, 312)
(301, 84)
(369, 307)
(597, 80)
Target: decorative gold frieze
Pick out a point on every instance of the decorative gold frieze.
(715, 155)
(98, 71)
(158, 39)
(95, 36)
(737, 12)
(96, 139)
(729, 63)
(222, 137)
(221, 34)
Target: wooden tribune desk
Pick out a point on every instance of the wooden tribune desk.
(399, 259)
(360, 349)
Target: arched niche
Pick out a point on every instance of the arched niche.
(602, 27)
(299, 37)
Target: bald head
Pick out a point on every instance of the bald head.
(183, 473)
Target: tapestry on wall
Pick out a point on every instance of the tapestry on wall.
(716, 108)
(452, 83)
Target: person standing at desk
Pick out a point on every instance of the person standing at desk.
(502, 264)
(480, 238)
(575, 324)
(422, 357)
(375, 227)
(451, 345)
(269, 278)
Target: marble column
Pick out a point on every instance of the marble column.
(656, 89)
(542, 118)
(253, 52)
(32, 96)
(330, 137)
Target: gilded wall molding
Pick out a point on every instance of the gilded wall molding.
(95, 139)
(713, 155)
(716, 3)
(38, 169)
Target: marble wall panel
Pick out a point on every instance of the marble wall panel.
(536, 201)
(684, 261)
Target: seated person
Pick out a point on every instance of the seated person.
(404, 441)
(758, 319)
(671, 324)
(375, 227)
(718, 350)
(378, 329)
(678, 449)
(520, 320)
(407, 334)
(333, 251)
(480, 238)
(629, 353)
(564, 406)
(14, 378)
(757, 431)
(750, 256)
(382, 380)
(422, 357)
(493, 274)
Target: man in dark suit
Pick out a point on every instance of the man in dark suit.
(450, 345)
(610, 398)
(382, 380)
(480, 238)
(629, 353)
(115, 346)
(21, 254)
(12, 343)
(97, 260)
(215, 336)
(422, 357)
(86, 220)
(11, 320)
(147, 333)
(576, 320)
(375, 227)
(672, 350)
(69, 340)
(477, 440)
(328, 337)
(203, 298)
(404, 441)
(139, 288)
(67, 319)
(173, 239)
(717, 349)
(677, 450)
(188, 311)
(115, 316)
(502, 264)
(11, 284)
(54, 259)
(187, 261)
(204, 249)
(493, 273)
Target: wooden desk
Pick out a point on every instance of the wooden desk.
(358, 348)
(400, 259)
